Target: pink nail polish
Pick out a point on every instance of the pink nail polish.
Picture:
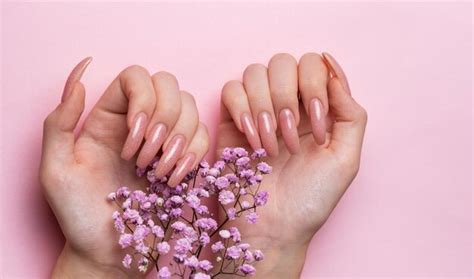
(182, 168)
(75, 76)
(250, 131)
(171, 155)
(337, 71)
(289, 130)
(135, 136)
(152, 145)
(267, 133)
(318, 121)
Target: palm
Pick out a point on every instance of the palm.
(98, 171)
(303, 188)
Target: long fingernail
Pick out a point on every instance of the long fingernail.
(250, 131)
(171, 155)
(135, 136)
(152, 145)
(318, 122)
(289, 130)
(336, 69)
(74, 76)
(267, 133)
(182, 168)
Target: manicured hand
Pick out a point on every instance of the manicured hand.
(138, 116)
(303, 114)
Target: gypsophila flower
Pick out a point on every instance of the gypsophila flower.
(182, 246)
(252, 218)
(163, 248)
(261, 198)
(233, 252)
(247, 269)
(127, 261)
(224, 234)
(205, 265)
(218, 246)
(201, 275)
(191, 262)
(258, 255)
(125, 240)
(231, 213)
(264, 168)
(226, 197)
(164, 273)
(149, 214)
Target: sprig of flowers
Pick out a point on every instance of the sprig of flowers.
(163, 220)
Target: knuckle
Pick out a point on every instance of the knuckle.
(188, 97)
(230, 88)
(361, 114)
(50, 121)
(164, 76)
(135, 69)
(285, 57)
(255, 67)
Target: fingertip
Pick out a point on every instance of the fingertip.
(75, 76)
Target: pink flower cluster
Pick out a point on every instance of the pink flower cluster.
(163, 220)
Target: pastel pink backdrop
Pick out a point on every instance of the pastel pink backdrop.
(408, 213)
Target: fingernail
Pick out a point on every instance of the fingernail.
(250, 131)
(182, 168)
(336, 69)
(171, 155)
(135, 136)
(289, 130)
(152, 145)
(267, 133)
(75, 76)
(318, 122)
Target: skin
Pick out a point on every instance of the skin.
(312, 165)
(77, 173)
(305, 186)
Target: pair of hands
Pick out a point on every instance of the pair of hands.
(302, 113)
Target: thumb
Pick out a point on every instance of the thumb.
(350, 118)
(58, 128)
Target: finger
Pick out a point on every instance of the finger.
(178, 139)
(350, 121)
(312, 74)
(258, 93)
(167, 110)
(283, 79)
(235, 100)
(337, 71)
(197, 149)
(58, 130)
(131, 93)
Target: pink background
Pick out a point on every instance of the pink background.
(408, 213)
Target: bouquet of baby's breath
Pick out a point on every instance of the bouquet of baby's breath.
(153, 223)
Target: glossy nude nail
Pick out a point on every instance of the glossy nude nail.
(183, 167)
(336, 69)
(289, 130)
(267, 133)
(171, 155)
(318, 121)
(135, 136)
(75, 76)
(250, 131)
(152, 145)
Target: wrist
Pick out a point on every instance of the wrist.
(281, 259)
(72, 265)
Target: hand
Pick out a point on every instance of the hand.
(78, 173)
(304, 116)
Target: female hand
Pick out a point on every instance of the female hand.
(77, 173)
(306, 119)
